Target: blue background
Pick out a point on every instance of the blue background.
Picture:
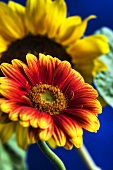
(100, 145)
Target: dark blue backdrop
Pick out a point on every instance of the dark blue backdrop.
(100, 145)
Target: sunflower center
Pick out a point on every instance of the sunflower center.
(35, 45)
(47, 98)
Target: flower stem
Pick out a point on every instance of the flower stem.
(87, 158)
(51, 155)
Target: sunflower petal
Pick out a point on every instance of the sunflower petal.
(8, 21)
(76, 33)
(67, 27)
(89, 47)
(3, 44)
(34, 22)
(55, 14)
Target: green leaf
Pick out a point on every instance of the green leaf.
(104, 80)
(11, 156)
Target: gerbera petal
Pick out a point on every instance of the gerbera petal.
(55, 15)
(85, 89)
(34, 22)
(46, 68)
(33, 64)
(59, 136)
(74, 82)
(76, 33)
(24, 123)
(9, 71)
(77, 141)
(61, 73)
(22, 67)
(11, 91)
(45, 134)
(41, 120)
(45, 120)
(85, 118)
(68, 145)
(86, 103)
(68, 125)
(6, 131)
(27, 113)
(8, 20)
(7, 106)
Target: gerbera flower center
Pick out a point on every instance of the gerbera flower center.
(47, 98)
(35, 45)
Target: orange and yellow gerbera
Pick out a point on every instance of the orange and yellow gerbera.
(47, 18)
(47, 100)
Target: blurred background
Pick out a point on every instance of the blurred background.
(100, 144)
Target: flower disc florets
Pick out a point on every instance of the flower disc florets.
(47, 98)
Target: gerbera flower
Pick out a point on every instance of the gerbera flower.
(48, 100)
(42, 27)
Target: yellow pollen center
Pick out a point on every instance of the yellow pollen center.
(47, 98)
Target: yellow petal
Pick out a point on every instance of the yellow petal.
(34, 17)
(77, 141)
(52, 143)
(19, 10)
(22, 136)
(76, 32)
(98, 66)
(45, 134)
(6, 130)
(9, 28)
(67, 28)
(88, 48)
(55, 15)
(3, 44)
(89, 68)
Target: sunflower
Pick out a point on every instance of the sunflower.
(48, 100)
(42, 26)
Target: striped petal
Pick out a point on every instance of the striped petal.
(59, 136)
(86, 103)
(85, 118)
(9, 71)
(68, 125)
(46, 68)
(61, 73)
(45, 134)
